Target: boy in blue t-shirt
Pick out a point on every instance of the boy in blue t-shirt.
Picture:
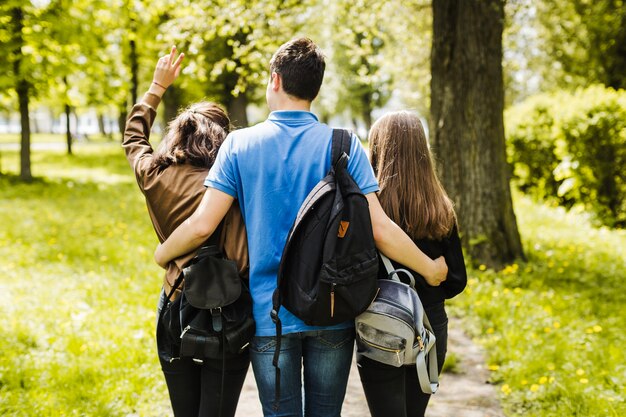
(270, 168)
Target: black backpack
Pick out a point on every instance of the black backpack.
(329, 267)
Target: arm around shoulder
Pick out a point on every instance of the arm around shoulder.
(393, 242)
(194, 231)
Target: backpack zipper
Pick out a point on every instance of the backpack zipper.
(374, 345)
(332, 299)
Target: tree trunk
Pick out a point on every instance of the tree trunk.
(22, 89)
(134, 71)
(172, 100)
(467, 128)
(237, 111)
(367, 112)
(68, 132)
(22, 94)
(121, 121)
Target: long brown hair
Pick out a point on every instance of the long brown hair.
(410, 192)
(194, 136)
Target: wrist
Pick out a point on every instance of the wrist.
(157, 88)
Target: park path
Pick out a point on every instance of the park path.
(463, 394)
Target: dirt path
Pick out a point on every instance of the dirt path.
(465, 394)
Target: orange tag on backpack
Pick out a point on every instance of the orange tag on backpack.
(343, 229)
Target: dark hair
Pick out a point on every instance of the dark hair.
(410, 192)
(301, 66)
(193, 137)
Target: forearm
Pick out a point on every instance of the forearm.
(186, 238)
(391, 240)
(394, 243)
(194, 231)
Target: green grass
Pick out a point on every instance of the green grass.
(76, 335)
(55, 137)
(77, 331)
(554, 326)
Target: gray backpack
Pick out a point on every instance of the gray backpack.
(395, 330)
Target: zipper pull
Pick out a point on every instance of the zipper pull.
(420, 342)
(332, 299)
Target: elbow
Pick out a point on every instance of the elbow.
(200, 231)
(380, 230)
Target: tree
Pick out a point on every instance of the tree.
(359, 39)
(555, 44)
(229, 47)
(18, 17)
(467, 130)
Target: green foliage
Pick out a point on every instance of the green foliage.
(553, 327)
(77, 334)
(554, 44)
(572, 148)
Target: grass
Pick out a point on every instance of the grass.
(81, 287)
(553, 327)
(77, 270)
(55, 138)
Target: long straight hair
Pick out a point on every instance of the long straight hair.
(193, 137)
(410, 192)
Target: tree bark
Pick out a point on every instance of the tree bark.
(22, 94)
(121, 120)
(467, 127)
(68, 132)
(22, 88)
(237, 111)
(134, 71)
(172, 100)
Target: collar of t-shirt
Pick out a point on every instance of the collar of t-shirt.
(292, 116)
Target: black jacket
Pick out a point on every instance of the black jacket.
(448, 247)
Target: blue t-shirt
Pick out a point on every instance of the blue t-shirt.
(271, 168)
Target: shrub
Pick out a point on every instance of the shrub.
(571, 148)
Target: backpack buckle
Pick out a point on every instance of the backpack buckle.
(274, 315)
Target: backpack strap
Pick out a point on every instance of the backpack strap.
(428, 377)
(393, 273)
(340, 151)
(342, 139)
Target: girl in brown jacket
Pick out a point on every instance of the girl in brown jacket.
(171, 180)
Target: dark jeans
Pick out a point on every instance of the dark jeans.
(396, 392)
(195, 388)
(320, 359)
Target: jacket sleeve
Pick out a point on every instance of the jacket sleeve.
(457, 275)
(136, 142)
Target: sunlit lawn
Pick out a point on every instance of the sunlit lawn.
(76, 335)
(54, 137)
(554, 327)
(76, 271)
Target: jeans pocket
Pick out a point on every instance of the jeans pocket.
(336, 339)
(263, 343)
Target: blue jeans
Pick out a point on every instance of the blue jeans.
(326, 356)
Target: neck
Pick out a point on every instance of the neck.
(290, 103)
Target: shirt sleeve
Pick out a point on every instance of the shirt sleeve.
(223, 174)
(457, 274)
(360, 168)
(136, 141)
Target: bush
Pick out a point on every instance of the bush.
(571, 148)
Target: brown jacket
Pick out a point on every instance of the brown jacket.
(172, 194)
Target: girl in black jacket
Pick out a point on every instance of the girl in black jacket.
(412, 196)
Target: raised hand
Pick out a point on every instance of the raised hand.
(167, 69)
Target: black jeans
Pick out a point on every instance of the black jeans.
(396, 392)
(195, 388)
